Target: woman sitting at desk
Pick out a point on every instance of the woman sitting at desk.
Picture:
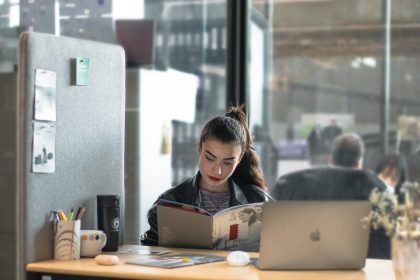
(229, 172)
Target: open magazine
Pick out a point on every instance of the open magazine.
(234, 228)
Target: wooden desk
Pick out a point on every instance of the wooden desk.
(86, 268)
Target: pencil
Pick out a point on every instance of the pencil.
(71, 214)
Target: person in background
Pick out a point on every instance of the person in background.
(317, 153)
(347, 151)
(229, 172)
(392, 170)
(329, 133)
(409, 143)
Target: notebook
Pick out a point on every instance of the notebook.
(298, 235)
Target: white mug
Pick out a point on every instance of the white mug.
(91, 242)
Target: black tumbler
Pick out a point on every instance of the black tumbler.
(108, 210)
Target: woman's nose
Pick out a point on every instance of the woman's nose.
(218, 169)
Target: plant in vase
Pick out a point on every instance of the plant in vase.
(402, 223)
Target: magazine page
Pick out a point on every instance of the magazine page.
(181, 206)
(238, 228)
(141, 251)
(180, 228)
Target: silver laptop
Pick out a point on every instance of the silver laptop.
(299, 235)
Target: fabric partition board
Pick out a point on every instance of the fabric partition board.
(89, 140)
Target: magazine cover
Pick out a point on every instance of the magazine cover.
(234, 228)
(180, 260)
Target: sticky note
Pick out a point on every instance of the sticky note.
(82, 71)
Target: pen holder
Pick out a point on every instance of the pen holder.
(67, 240)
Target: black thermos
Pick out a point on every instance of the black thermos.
(108, 210)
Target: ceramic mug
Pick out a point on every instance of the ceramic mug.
(91, 242)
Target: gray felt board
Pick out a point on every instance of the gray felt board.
(89, 142)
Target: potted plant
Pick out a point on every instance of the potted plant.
(401, 221)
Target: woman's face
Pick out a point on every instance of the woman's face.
(217, 162)
(244, 217)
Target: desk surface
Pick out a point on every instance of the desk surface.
(375, 269)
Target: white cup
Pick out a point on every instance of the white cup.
(91, 242)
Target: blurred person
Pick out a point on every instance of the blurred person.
(347, 151)
(329, 133)
(410, 140)
(317, 153)
(392, 170)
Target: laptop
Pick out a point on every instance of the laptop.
(312, 235)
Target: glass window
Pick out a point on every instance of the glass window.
(169, 101)
(191, 37)
(324, 74)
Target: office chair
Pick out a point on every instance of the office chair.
(327, 183)
(330, 183)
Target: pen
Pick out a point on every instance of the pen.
(71, 214)
(62, 215)
(80, 212)
(57, 217)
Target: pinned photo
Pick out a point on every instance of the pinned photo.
(43, 155)
(45, 95)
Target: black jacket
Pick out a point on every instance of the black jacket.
(327, 183)
(188, 193)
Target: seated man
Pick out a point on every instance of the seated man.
(344, 180)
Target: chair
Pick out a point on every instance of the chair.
(328, 183)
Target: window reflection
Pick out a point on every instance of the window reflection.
(191, 37)
(328, 65)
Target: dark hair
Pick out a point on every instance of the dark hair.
(394, 165)
(232, 128)
(347, 150)
(253, 217)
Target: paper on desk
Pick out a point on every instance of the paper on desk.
(139, 251)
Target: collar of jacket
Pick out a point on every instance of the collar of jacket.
(237, 196)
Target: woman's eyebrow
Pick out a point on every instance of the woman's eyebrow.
(208, 152)
(229, 158)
